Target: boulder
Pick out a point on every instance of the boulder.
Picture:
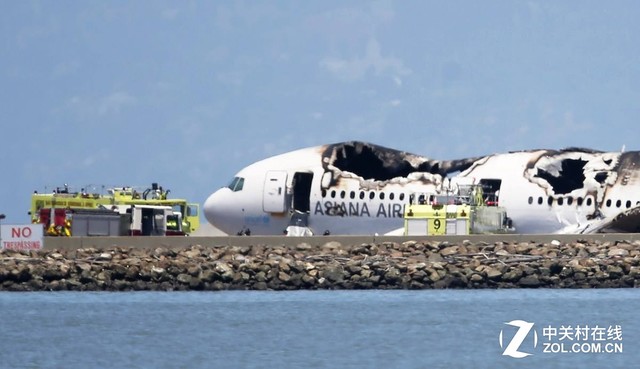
(617, 252)
(530, 281)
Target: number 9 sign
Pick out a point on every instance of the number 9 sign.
(435, 226)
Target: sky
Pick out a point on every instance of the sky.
(186, 93)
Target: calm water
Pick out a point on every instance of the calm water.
(310, 329)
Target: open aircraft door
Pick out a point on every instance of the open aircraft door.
(274, 196)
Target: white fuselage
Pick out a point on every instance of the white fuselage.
(343, 203)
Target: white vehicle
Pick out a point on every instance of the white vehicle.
(357, 188)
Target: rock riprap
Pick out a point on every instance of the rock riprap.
(389, 265)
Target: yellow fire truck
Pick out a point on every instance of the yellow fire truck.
(65, 198)
(469, 211)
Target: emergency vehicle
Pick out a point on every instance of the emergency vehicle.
(66, 199)
(468, 211)
(120, 220)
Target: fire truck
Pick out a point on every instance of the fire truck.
(469, 210)
(120, 220)
(64, 199)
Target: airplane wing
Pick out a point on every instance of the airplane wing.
(625, 222)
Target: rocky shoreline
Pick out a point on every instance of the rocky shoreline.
(389, 265)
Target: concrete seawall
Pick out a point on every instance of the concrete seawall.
(183, 242)
(332, 264)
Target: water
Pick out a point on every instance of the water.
(307, 329)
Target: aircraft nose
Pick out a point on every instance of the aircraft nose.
(214, 207)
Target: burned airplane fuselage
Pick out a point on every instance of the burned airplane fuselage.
(576, 174)
(379, 165)
(367, 181)
(361, 188)
(597, 181)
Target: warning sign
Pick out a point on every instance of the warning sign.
(21, 236)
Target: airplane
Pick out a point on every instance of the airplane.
(360, 188)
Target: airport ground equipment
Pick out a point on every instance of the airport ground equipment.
(121, 220)
(86, 199)
(467, 211)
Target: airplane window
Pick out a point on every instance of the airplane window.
(579, 201)
(628, 204)
(371, 195)
(530, 200)
(401, 196)
(342, 194)
(391, 196)
(588, 201)
(237, 183)
(609, 203)
(352, 195)
(333, 194)
(324, 193)
(560, 200)
(540, 200)
(381, 195)
(550, 200)
(569, 200)
(361, 195)
(618, 203)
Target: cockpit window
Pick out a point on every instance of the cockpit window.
(236, 184)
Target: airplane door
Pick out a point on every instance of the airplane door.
(302, 191)
(274, 196)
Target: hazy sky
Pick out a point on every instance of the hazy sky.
(186, 93)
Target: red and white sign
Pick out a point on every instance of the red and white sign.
(21, 236)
